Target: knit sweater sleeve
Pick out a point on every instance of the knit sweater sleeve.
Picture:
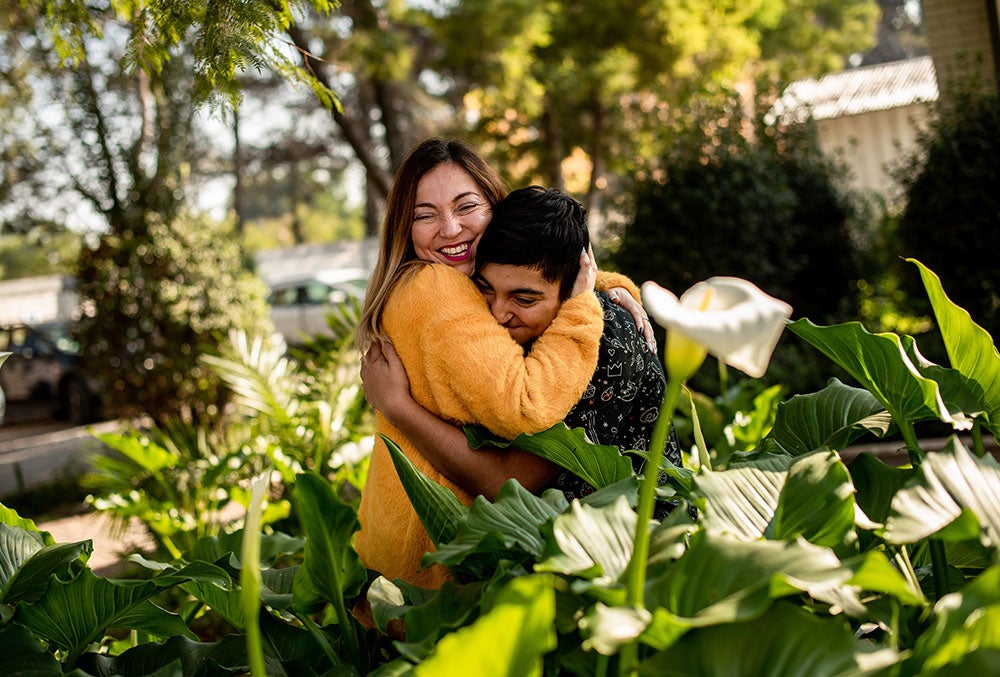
(464, 366)
(607, 280)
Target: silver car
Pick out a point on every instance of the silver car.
(300, 305)
(44, 368)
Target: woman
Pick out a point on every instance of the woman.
(462, 365)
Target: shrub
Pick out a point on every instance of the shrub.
(952, 214)
(765, 207)
(154, 300)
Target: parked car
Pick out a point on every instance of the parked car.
(300, 305)
(44, 366)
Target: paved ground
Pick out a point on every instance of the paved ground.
(35, 450)
(112, 545)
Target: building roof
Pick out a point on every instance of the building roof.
(860, 90)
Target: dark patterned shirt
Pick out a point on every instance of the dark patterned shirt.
(622, 401)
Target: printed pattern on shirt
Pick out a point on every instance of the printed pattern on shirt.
(622, 402)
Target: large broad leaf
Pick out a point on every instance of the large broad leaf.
(949, 485)
(598, 465)
(959, 394)
(784, 641)
(510, 639)
(741, 500)
(438, 508)
(964, 622)
(192, 659)
(594, 543)
(876, 484)
(24, 654)
(816, 503)
(76, 613)
(881, 365)
(721, 579)
(11, 518)
(513, 521)
(970, 348)
(331, 570)
(830, 419)
(25, 568)
(428, 614)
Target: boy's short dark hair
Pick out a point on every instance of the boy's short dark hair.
(539, 228)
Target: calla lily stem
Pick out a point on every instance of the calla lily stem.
(636, 576)
(647, 493)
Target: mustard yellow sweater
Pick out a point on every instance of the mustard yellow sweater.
(464, 367)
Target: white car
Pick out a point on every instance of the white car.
(300, 305)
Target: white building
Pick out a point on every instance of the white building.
(868, 116)
(44, 298)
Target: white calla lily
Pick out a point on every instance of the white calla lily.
(730, 317)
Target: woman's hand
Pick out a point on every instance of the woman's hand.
(587, 276)
(387, 387)
(620, 296)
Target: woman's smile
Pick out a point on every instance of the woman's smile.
(449, 217)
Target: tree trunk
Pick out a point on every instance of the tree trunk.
(239, 198)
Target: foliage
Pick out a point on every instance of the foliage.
(226, 38)
(952, 202)
(38, 253)
(766, 207)
(155, 299)
(797, 564)
(182, 480)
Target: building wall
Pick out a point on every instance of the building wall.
(959, 34)
(871, 143)
(39, 299)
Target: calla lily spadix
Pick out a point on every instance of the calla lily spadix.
(729, 317)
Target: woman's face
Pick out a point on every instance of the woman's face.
(450, 216)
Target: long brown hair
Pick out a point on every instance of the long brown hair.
(396, 255)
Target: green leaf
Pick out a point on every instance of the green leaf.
(140, 450)
(331, 570)
(23, 654)
(438, 508)
(596, 464)
(970, 348)
(817, 502)
(876, 484)
(742, 499)
(512, 521)
(73, 614)
(785, 641)
(510, 639)
(32, 577)
(964, 622)
(881, 365)
(187, 656)
(874, 572)
(947, 483)
(595, 543)
(830, 419)
(11, 518)
(449, 608)
(721, 579)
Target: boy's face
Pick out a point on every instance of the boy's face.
(523, 301)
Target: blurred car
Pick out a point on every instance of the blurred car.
(45, 367)
(299, 306)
